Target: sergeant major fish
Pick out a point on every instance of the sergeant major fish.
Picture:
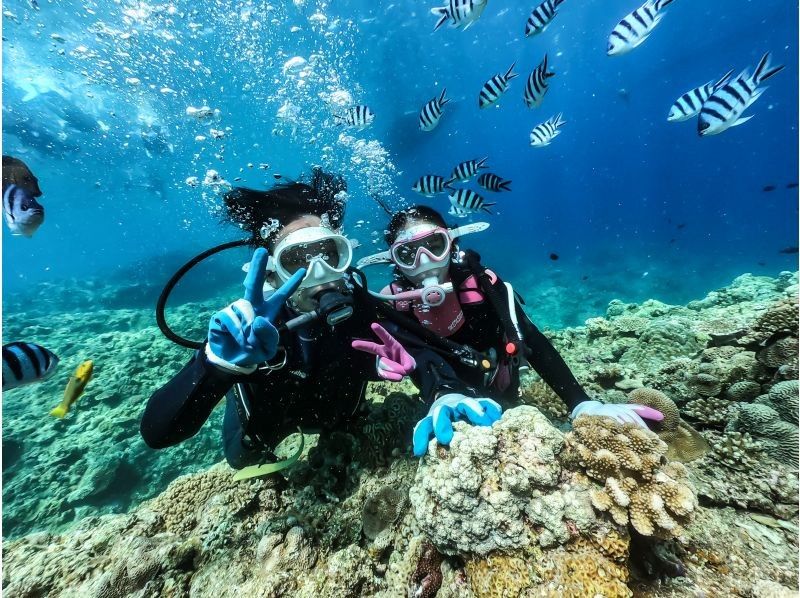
(725, 106)
(537, 84)
(492, 182)
(75, 387)
(543, 134)
(467, 170)
(432, 112)
(495, 87)
(636, 27)
(466, 201)
(541, 17)
(356, 116)
(22, 213)
(25, 363)
(430, 184)
(461, 13)
(689, 104)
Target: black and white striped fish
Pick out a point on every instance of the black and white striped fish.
(495, 87)
(492, 182)
(24, 363)
(357, 116)
(432, 112)
(467, 170)
(537, 84)
(543, 134)
(541, 16)
(431, 184)
(636, 27)
(466, 200)
(725, 106)
(461, 13)
(689, 104)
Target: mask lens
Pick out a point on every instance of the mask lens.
(406, 253)
(298, 256)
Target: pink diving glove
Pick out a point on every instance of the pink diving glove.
(394, 362)
(623, 413)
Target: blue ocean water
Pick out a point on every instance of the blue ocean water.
(95, 96)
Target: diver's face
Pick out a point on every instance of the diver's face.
(294, 225)
(426, 268)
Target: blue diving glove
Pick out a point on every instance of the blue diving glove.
(243, 334)
(447, 409)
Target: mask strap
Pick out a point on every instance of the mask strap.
(474, 227)
(384, 257)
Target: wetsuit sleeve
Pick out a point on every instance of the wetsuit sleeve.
(549, 364)
(434, 377)
(177, 410)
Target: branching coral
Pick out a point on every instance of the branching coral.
(736, 450)
(709, 411)
(541, 396)
(638, 486)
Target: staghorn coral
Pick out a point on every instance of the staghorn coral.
(743, 392)
(779, 438)
(498, 576)
(577, 571)
(683, 441)
(780, 316)
(541, 396)
(709, 411)
(381, 510)
(638, 486)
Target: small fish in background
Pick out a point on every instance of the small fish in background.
(541, 17)
(681, 225)
(791, 185)
(357, 116)
(431, 184)
(468, 201)
(585, 277)
(554, 257)
(690, 103)
(492, 182)
(725, 106)
(277, 176)
(431, 113)
(75, 387)
(461, 13)
(537, 85)
(789, 250)
(543, 134)
(762, 263)
(636, 27)
(25, 363)
(466, 170)
(768, 188)
(22, 213)
(495, 87)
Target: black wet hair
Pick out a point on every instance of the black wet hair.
(418, 212)
(252, 209)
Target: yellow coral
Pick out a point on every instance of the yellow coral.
(498, 576)
(580, 570)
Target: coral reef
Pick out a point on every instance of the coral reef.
(779, 437)
(709, 411)
(381, 510)
(538, 394)
(656, 498)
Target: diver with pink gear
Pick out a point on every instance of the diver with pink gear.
(449, 299)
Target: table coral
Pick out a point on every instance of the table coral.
(638, 486)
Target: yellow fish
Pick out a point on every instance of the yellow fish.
(75, 387)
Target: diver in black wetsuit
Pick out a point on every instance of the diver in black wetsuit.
(447, 294)
(284, 359)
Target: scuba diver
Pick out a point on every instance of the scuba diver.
(296, 355)
(445, 293)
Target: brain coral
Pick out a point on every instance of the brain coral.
(478, 495)
(744, 391)
(784, 397)
(638, 485)
(781, 316)
(779, 438)
(781, 352)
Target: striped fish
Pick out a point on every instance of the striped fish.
(431, 112)
(689, 104)
(458, 212)
(430, 184)
(495, 87)
(461, 13)
(356, 116)
(25, 363)
(725, 106)
(541, 17)
(467, 170)
(468, 201)
(537, 85)
(492, 182)
(636, 27)
(543, 134)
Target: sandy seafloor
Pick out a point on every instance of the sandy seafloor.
(87, 510)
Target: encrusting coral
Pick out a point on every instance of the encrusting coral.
(683, 441)
(638, 484)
